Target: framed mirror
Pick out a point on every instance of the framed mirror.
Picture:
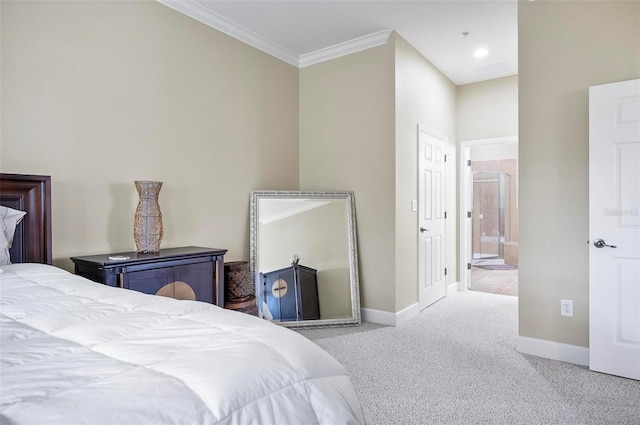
(304, 258)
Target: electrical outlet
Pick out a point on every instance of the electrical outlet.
(566, 308)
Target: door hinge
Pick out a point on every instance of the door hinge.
(468, 266)
(445, 214)
(468, 163)
(445, 271)
(445, 157)
(468, 214)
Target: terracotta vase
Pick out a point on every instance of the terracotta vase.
(147, 226)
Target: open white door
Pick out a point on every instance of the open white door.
(431, 216)
(614, 228)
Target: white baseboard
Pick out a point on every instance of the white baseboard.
(394, 319)
(389, 319)
(553, 350)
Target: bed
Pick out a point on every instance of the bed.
(77, 352)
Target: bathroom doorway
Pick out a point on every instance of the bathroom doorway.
(490, 233)
(491, 218)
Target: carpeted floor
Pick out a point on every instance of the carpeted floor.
(456, 363)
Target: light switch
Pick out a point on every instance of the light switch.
(414, 205)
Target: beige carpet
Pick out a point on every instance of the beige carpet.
(456, 363)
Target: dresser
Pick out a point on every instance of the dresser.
(291, 293)
(191, 272)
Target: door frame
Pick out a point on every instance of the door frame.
(466, 204)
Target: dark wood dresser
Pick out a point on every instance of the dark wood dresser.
(189, 272)
(291, 293)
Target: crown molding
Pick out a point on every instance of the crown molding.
(213, 20)
(224, 25)
(346, 48)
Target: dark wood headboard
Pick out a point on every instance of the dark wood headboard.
(30, 193)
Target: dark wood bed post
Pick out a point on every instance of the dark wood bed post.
(31, 193)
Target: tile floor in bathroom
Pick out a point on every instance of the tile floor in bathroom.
(504, 282)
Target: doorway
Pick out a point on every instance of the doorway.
(490, 215)
(489, 223)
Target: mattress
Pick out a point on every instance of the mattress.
(78, 352)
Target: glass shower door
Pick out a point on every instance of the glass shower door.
(490, 217)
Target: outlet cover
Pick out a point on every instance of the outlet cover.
(566, 308)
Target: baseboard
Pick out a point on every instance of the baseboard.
(389, 319)
(394, 319)
(553, 350)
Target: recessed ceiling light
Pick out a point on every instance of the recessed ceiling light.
(480, 53)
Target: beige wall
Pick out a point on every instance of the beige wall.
(347, 143)
(423, 96)
(488, 109)
(99, 94)
(565, 47)
(358, 131)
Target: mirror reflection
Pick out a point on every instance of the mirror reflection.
(303, 257)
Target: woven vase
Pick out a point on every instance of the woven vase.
(147, 226)
(237, 281)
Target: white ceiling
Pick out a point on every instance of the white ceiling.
(303, 32)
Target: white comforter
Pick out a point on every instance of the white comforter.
(78, 352)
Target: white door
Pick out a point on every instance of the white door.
(614, 228)
(431, 216)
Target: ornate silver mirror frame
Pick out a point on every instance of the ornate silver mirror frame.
(304, 259)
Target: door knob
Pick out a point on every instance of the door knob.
(599, 243)
(422, 230)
